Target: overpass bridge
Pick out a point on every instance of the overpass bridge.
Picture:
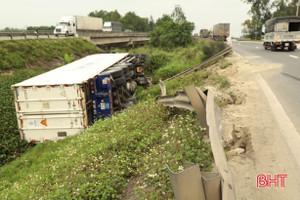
(109, 39)
(99, 38)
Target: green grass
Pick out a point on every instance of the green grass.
(17, 54)
(98, 163)
(162, 64)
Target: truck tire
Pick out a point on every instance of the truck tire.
(120, 81)
(127, 76)
(291, 47)
(273, 47)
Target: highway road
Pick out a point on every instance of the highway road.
(283, 81)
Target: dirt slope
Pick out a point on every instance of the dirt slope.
(252, 125)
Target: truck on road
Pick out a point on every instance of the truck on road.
(204, 33)
(68, 99)
(112, 26)
(69, 24)
(220, 31)
(282, 32)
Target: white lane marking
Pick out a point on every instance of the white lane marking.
(292, 56)
(287, 128)
(239, 55)
(257, 47)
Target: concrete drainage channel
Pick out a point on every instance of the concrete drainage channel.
(191, 183)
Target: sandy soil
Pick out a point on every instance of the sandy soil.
(249, 124)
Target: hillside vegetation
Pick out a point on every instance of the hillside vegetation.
(122, 156)
(18, 54)
(39, 55)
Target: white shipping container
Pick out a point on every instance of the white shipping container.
(89, 23)
(53, 105)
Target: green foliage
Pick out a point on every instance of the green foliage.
(113, 16)
(15, 54)
(164, 64)
(169, 34)
(284, 8)
(129, 21)
(67, 58)
(11, 30)
(225, 65)
(98, 164)
(135, 23)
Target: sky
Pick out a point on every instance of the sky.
(204, 13)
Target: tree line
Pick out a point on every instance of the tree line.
(129, 21)
(262, 10)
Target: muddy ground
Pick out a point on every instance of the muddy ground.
(253, 140)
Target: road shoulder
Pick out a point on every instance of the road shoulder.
(268, 140)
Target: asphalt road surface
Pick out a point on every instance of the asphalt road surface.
(285, 82)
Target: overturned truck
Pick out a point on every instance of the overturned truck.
(66, 100)
(281, 33)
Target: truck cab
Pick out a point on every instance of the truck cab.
(66, 26)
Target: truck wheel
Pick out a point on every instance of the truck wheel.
(273, 47)
(292, 47)
(67, 34)
(120, 81)
(127, 76)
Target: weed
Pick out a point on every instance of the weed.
(225, 65)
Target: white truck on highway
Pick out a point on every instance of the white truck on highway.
(112, 26)
(69, 24)
(282, 32)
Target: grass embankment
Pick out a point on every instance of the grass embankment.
(15, 56)
(132, 146)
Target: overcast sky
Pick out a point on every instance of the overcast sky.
(204, 13)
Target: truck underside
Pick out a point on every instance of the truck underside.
(274, 46)
(67, 100)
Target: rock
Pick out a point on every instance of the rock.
(234, 152)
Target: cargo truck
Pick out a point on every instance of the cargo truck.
(204, 33)
(282, 32)
(68, 25)
(112, 26)
(67, 100)
(220, 31)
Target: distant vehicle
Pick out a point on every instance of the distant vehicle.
(128, 31)
(112, 26)
(204, 33)
(68, 25)
(220, 31)
(282, 32)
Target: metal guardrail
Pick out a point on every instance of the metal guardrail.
(190, 183)
(27, 33)
(204, 63)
